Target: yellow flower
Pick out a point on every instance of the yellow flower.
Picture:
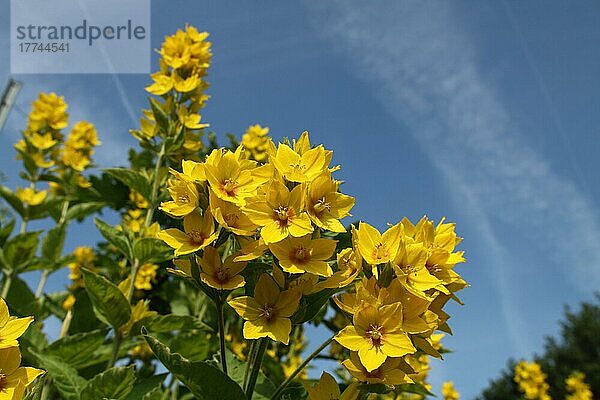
(141, 352)
(186, 85)
(69, 302)
(409, 265)
(48, 110)
(230, 216)
(189, 119)
(391, 372)
(303, 254)
(348, 269)
(221, 275)
(268, 313)
(137, 199)
(138, 312)
(327, 389)
(577, 387)
(13, 378)
(325, 205)
(162, 84)
(279, 213)
(449, 392)
(376, 334)
(299, 168)
(256, 140)
(145, 275)
(184, 195)
(30, 196)
(42, 142)
(75, 159)
(376, 248)
(11, 328)
(199, 232)
(230, 179)
(531, 381)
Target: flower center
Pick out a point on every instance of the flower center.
(282, 213)
(223, 274)
(380, 252)
(302, 254)
(229, 186)
(183, 198)
(196, 236)
(231, 219)
(321, 205)
(268, 312)
(375, 334)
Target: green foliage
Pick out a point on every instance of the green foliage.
(110, 305)
(204, 380)
(115, 237)
(577, 349)
(115, 383)
(66, 379)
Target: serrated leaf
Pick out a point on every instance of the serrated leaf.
(109, 303)
(64, 377)
(152, 250)
(12, 199)
(35, 390)
(52, 243)
(20, 248)
(204, 380)
(79, 349)
(133, 179)
(82, 210)
(115, 383)
(160, 116)
(115, 237)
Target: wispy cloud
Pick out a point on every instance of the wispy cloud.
(424, 71)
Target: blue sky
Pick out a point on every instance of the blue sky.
(483, 112)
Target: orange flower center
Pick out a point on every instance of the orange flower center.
(301, 254)
(3, 382)
(223, 274)
(196, 236)
(231, 219)
(268, 312)
(321, 205)
(283, 214)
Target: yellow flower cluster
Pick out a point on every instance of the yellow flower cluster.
(14, 379)
(398, 308)
(449, 392)
(83, 258)
(79, 146)
(256, 141)
(577, 387)
(185, 58)
(145, 275)
(531, 380)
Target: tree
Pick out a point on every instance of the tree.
(577, 349)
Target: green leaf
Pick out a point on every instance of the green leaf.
(64, 377)
(6, 230)
(35, 390)
(171, 322)
(84, 319)
(12, 199)
(82, 210)
(115, 237)
(115, 383)
(416, 388)
(194, 345)
(52, 243)
(311, 305)
(152, 250)
(133, 179)
(204, 380)
(146, 386)
(109, 303)
(20, 248)
(236, 368)
(78, 350)
(160, 116)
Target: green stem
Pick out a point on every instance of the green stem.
(8, 278)
(115, 350)
(249, 361)
(308, 359)
(64, 329)
(40, 287)
(221, 323)
(260, 353)
(154, 193)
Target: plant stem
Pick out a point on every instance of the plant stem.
(260, 353)
(308, 359)
(8, 277)
(115, 350)
(249, 361)
(221, 323)
(64, 329)
(153, 194)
